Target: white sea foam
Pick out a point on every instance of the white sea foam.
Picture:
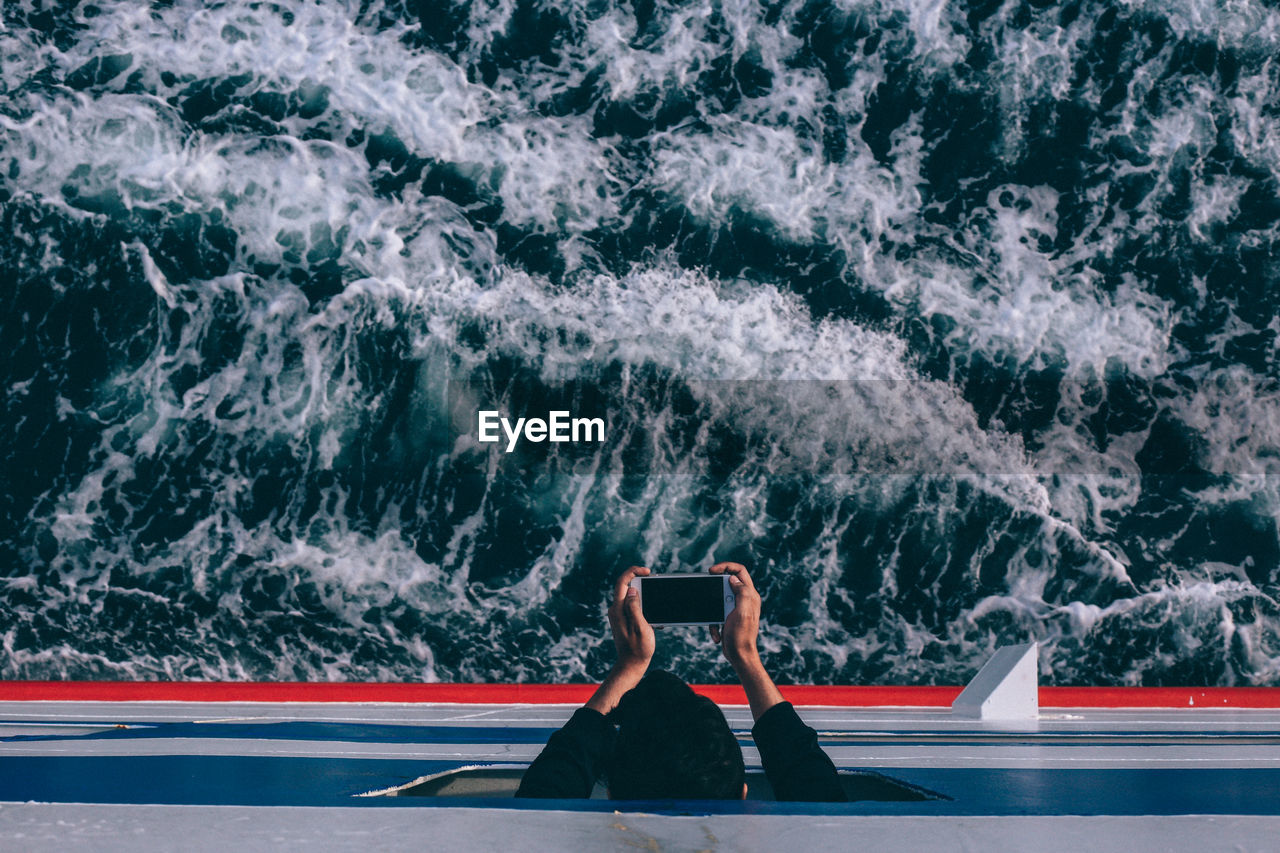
(548, 171)
(21, 56)
(1237, 416)
(937, 26)
(1250, 24)
(1255, 130)
(1189, 621)
(806, 199)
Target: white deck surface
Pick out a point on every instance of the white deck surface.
(217, 829)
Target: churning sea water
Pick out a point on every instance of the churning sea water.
(955, 322)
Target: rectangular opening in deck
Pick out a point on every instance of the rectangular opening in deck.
(498, 781)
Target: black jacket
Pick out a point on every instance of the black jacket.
(576, 755)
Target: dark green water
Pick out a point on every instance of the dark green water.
(954, 322)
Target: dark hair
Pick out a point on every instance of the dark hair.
(673, 744)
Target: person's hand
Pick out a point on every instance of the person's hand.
(633, 637)
(738, 640)
(632, 634)
(738, 636)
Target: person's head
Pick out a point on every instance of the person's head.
(673, 743)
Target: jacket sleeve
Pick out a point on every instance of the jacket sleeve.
(573, 759)
(796, 766)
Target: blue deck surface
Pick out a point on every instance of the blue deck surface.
(298, 781)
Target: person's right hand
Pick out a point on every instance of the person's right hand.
(632, 634)
(634, 640)
(738, 636)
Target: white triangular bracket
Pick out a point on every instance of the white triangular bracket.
(1006, 688)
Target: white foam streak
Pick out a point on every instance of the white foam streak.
(1012, 299)
(676, 319)
(152, 273)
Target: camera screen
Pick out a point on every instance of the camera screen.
(686, 599)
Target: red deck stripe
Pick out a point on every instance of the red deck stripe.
(576, 694)
(1160, 697)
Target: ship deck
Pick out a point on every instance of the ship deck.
(332, 775)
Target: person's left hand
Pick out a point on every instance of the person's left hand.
(632, 634)
(737, 637)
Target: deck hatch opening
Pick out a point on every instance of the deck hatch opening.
(502, 780)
